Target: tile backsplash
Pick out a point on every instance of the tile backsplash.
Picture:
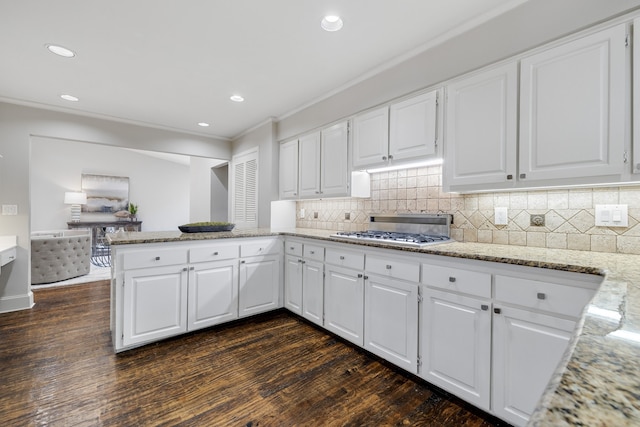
(569, 214)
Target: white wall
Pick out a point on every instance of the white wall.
(202, 195)
(18, 125)
(157, 186)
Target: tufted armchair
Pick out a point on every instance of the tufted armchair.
(59, 255)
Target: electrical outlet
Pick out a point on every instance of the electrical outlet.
(302, 212)
(347, 215)
(9, 209)
(501, 216)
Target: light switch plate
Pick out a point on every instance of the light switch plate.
(612, 216)
(501, 216)
(9, 209)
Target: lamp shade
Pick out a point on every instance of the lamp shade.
(75, 198)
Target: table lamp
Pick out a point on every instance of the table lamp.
(75, 199)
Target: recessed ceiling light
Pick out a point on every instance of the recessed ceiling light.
(203, 124)
(69, 98)
(331, 23)
(59, 50)
(236, 98)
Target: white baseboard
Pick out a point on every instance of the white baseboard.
(17, 302)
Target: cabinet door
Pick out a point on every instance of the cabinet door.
(636, 96)
(344, 303)
(309, 161)
(527, 348)
(155, 304)
(391, 321)
(293, 283)
(371, 139)
(455, 344)
(213, 293)
(289, 170)
(413, 128)
(572, 108)
(313, 291)
(259, 284)
(481, 126)
(334, 162)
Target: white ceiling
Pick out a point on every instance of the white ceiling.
(172, 64)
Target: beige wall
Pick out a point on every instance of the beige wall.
(569, 214)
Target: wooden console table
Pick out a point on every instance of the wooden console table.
(100, 250)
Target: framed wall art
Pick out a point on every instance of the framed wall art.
(105, 194)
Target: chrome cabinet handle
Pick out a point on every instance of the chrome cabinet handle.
(523, 175)
(291, 247)
(384, 157)
(312, 252)
(341, 256)
(157, 258)
(242, 262)
(390, 157)
(388, 267)
(452, 279)
(541, 295)
(299, 260)
(359, 275)
(215, 253)
(509, 176)
(366, 277)
(192, 268)
(184, 269)
(497, 310)
(484, 307)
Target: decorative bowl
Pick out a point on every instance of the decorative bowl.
(187, 228)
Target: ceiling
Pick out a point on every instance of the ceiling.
(171, 64)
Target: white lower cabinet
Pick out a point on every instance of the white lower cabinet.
(391, 320)
(313, 291)
(527, 347)
(259, 285)
(304, 280)
(293, 283)
(344, 303)
(213, 293)
(456, 345)
(154, 304)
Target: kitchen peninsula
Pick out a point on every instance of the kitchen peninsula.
(594, 384)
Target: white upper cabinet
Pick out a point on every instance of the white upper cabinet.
(636, 96)
(413, 127)
(289, 170)
(309, 165)
(371, 138)
(316, 165)
(334, 160)
(405, 131)
(481, 129)
(572, 108)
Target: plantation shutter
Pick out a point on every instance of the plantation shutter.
(244, 198)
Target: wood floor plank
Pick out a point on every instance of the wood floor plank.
(58, 368)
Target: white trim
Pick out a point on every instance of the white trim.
(17, 302)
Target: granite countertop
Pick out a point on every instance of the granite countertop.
(598, 382)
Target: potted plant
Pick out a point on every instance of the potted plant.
(133, 210)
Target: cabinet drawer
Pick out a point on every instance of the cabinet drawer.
(262, 247)
(551, 297)
(293, 248)
(154, 258)
(409, 271)
(314, 252)
(347, 259)
(457, 280)
(213, 253)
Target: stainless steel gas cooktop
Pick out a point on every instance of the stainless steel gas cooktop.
(417, 230)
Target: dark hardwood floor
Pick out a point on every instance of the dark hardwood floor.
(58, 369)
